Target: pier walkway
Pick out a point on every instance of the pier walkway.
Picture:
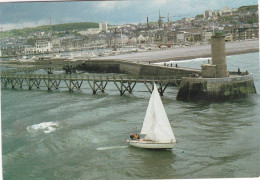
(97, 82)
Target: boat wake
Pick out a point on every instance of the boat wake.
(46, 127)
(111, 147)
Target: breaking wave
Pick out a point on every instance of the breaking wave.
(46, 127)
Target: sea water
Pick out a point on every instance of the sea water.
(62, 135)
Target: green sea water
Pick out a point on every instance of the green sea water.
(62, 135)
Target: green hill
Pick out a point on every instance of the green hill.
(48, 28)
(248, 8)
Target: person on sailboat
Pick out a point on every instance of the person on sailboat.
(134, 136)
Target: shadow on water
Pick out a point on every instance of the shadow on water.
(220, 106)
(220, 117)
(149, 163)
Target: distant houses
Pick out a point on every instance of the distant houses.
(236, 24)
(11, 49)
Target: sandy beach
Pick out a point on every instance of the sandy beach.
(185, 53)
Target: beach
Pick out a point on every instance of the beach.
(189, 52)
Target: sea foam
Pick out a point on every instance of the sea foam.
(45, 127)
(185, 61)
(111, 147)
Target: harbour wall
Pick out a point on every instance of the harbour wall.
(133, 68)
(216, 89)
(111, 66)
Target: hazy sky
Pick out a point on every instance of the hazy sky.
(28, 14)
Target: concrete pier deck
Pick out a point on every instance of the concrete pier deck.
(185, 53)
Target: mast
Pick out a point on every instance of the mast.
(213, 29)
(147, 21)
(168, 20)
(50, 25)
(160, 20)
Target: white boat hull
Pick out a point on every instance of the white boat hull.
(151, 144)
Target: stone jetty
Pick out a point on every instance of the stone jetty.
(216, 83)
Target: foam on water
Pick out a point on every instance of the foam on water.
(46, 127)
(185, 61)
(111, 147)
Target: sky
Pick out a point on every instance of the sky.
(31, 14)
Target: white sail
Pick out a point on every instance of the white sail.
(156, 125)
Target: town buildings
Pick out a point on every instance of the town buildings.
(236, 24)
(11, 49)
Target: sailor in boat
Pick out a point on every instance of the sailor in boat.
(134, 136)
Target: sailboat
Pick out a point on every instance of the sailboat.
(156, 128)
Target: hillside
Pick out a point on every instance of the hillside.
(248, 8)
(49, 28)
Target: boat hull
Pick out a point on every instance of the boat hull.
(150, 144)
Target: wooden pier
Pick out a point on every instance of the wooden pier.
(20, 78)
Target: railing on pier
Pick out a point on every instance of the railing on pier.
(49, 68)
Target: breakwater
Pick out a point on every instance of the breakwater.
(108, 66)
(216, 89)
(134, 68)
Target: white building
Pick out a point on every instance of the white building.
(226, 9)
(90, 31)
(133, 41)
(43, 46)
(182, 36)
(103, 26)
(29, 49)
(142, 39)
(207, 14)
(206, 36)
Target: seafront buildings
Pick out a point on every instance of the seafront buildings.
(236, 24)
